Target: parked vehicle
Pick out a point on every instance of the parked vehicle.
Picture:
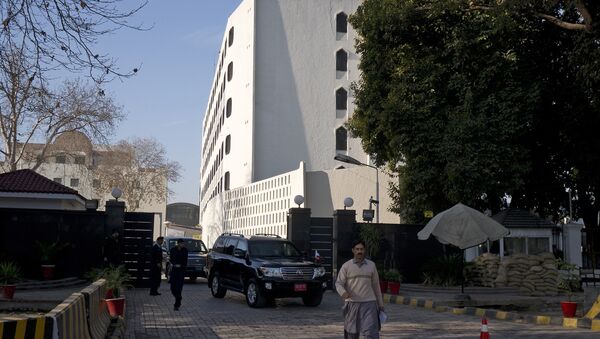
(196, 256)
(263, 267)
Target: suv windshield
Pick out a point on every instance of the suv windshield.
(192, 245)
(273, 249)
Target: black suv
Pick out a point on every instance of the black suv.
(196, 256)
(263, 267)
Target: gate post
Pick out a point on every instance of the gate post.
(298, 228)
(115, 217)
(343, 228)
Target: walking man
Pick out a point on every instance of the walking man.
(358, 284)
(179, 257)
(156, 257)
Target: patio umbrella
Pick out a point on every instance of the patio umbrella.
(463, 227)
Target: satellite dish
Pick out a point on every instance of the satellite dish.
(299, 200)
(348, 202)
(116, 193)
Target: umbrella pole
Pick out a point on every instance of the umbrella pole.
(462, 272)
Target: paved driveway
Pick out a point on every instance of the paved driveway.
(202, 316)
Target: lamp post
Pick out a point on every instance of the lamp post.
(350, 160)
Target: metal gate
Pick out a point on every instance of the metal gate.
(321, 240)
(137, 241)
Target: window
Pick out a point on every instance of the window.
(230, 36)
(219, 245)
(227, 144)
(61, 159)
(341, 139)
(230, 245)
(74, 182)
(514, 245)
(341, 99)
(230, 71)
(341, 23)
(341, 61)
(58, 180)
(538, 245)
(80, 160)
(96, 183)
(226, 185)
(228, 108)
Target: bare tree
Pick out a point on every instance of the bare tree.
(140, 168)
(30, 112)
(59, 34)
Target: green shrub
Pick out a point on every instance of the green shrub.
(10, 273)
(443, 271)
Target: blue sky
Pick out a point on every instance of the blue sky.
(167, 98)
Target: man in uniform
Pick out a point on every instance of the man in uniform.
(156, 257)
(179, 257)
(358, 284)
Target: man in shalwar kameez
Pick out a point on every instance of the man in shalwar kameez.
(358, 284)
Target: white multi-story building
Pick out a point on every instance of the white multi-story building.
(281, 96)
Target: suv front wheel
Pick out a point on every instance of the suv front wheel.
(313, 299)
(254, 296)
(216, 289)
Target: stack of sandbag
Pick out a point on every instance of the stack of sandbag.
(537, 274)
(484, 270)
(517, 265)
(488, 264)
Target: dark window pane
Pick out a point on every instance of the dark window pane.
(341, 61)
(341, 23)
(227, 144)
(74, 182)
(228, 108)
(61, 159)
(341, 99)
(226, 181)
(230, 71)
(341, 139)
(230, 36)
(80, 160)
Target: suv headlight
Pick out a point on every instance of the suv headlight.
(272, 272)
(319, 272)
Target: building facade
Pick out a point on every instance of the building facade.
(72, 160)
(280, 96)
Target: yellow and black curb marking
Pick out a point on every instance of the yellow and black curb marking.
(593, 324)
(29, 328)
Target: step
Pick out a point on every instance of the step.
(44, 284)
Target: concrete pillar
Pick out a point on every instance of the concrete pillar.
(298, 228)
(572, 234)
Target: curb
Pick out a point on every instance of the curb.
(592, 324)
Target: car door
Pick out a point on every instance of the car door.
(228, 267)
(239, 261)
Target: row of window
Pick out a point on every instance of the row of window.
(74, 182)
(341, 94)
(77, 160)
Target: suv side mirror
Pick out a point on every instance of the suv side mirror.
(239, 253)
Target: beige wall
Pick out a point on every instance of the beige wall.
(326, 191)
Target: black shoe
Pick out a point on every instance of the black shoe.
(176, 308)
(154, 294)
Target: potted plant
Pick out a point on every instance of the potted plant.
(394, 279)
(116, 278)
(48, 252)
(568, 283)
(383, 282)
(9, 275)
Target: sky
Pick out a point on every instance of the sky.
(167, 98)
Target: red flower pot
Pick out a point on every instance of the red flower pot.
(8, 291)
(109, 294)
(116, 306)
(383, 285)
(48, 272)
(569, 308)
(394, 287)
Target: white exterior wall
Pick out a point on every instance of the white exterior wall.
(295, 84)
